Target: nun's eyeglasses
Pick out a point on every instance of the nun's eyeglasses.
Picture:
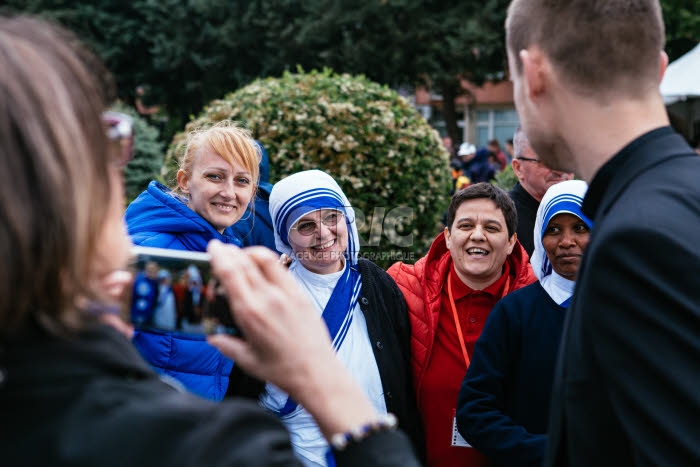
(307, 228)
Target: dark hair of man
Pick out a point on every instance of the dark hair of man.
(54, 183)
(486, 191)
(598, 47)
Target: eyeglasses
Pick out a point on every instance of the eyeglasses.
(120, 129)
(307, 228)
(528, 159)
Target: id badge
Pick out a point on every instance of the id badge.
(457, 439)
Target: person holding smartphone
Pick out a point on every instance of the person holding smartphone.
(216, 182)
(73, 390)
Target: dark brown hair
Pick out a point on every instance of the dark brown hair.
(598, 46)
(486, 191)
(54, 184)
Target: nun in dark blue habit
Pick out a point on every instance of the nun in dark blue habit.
(503, 404)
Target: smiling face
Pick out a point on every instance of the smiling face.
(478, 242)
(322, 251)
(218, 191)
(564, 241)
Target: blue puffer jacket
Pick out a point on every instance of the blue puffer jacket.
(158, 219)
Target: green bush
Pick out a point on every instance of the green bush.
(148, 154)
(506, 178)
(380, 150)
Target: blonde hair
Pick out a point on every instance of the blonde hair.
(233, 143)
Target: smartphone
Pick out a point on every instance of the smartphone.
(174, 291)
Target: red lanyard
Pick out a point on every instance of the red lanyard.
(456, 318)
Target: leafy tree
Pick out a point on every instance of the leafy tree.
(682, 20)
(506, 178)
(193, 51)
(115, 30)
(397, 42)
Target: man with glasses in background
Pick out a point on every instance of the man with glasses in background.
(534, 178)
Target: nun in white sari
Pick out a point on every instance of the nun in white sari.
(361, 305)
(503, 404)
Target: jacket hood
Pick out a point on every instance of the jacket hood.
(264, 164)
(159, 211)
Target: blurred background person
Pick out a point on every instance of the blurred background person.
(480, 166)
(146, 111)
(459, 180)
(215, 184)
(450, 292)
(475, 163)
(144, 294)
(466, 153)
(165, 314)
(193, 300)
(503, 405)
(509, 150)
(448, 144)
(362, 307)
(73, 390)
(534, 178)
(494, 146)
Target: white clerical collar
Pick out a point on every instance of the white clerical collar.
(558, 287)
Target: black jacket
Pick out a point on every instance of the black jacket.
(92, 401)
(389, 330)
(627, 384)
(384, 308)
(526, 207)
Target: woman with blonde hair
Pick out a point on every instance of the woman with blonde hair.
(216, 182)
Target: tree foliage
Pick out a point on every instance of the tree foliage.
(682, 20)
(193, 51)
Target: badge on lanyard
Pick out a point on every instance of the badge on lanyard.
(457, 439)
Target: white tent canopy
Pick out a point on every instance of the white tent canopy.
(682, 78)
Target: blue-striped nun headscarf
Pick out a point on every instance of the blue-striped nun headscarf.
(563, 197)
(305, 192)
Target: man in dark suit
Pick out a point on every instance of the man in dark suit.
(586, 77)
(534, 178)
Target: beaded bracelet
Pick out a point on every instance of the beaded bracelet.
(386, 422)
